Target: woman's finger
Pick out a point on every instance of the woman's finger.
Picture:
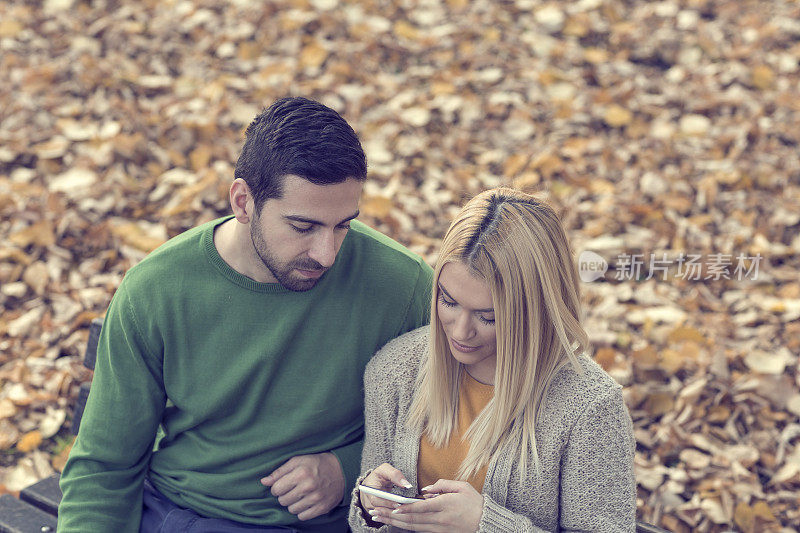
(413, 522)
(446, 485)
(393, 475)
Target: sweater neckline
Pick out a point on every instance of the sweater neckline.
(233, 275)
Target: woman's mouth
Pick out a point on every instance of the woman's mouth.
(462, 347)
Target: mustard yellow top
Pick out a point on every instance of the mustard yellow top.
(443, 463)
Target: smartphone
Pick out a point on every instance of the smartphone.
(387, 495)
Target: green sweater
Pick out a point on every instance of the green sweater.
(236, 376)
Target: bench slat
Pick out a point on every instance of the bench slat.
(17, 516)
(45, 494)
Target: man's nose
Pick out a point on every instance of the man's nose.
(323, 249)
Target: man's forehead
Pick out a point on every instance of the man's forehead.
(322, 203)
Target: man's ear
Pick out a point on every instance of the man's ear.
(242, 202)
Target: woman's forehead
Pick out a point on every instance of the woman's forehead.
(464, 286)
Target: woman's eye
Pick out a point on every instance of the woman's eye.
(485, 320)
(446, 303)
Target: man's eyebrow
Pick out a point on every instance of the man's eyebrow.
(304, 220)
(489, 310)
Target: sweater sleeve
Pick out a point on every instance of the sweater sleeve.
(498, 519)
(598, 487)
(102, 481)
(379, 414)
(349, 457)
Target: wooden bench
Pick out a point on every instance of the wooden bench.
(37, 507)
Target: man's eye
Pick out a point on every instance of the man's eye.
(301, 229)
(344, 227)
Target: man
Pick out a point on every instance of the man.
(243, 342)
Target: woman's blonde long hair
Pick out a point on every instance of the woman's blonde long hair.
(517, 245)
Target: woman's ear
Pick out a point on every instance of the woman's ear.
(242, 202)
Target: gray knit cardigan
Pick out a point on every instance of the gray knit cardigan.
(585, 443)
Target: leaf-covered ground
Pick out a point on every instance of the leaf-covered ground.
(664, 132)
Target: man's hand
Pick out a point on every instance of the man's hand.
(308, 485)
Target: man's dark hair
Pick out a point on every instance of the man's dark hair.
(301, 137)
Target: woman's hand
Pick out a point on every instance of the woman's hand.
(456, 507)
(383, 477)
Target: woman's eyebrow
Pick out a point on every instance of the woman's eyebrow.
(487, 310)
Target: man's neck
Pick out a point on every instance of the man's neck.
(233, 243)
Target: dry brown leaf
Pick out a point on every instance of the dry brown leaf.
(617, 116)
(37, 277)
(376, 206)
(405, 30)
(313, 55)
(8, 434)
(763, 77)
(38, 234)
(659, 403)
(133, 235)
(29, 441)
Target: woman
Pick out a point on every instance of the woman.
(495, 413)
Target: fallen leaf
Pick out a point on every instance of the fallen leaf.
(39, 234)
(617, 116)
(376, 206)
(29, 441)
(313, 55)
(763, 77)
(8, 434)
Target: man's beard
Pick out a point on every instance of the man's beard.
(283, 272)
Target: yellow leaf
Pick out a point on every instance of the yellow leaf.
(659, 403)
(406, 30)
(547, 164)
(492, 35)
(671, 361)
(249, 50)
(200, 157)
(744, 517)
(16, 255)
(134, 236)
(39, 234)
(515, 164)
(686, 333)
(377, 206)
(10, 28)
(577, 26)
(617, 116)
(762, 510)
(7, 408)
(646, 357)
(595, 55)
(313, 55)
(29, 441)
(37, 277)
(527, 180)
(442, 87)
(763, 77)
(605, 357)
